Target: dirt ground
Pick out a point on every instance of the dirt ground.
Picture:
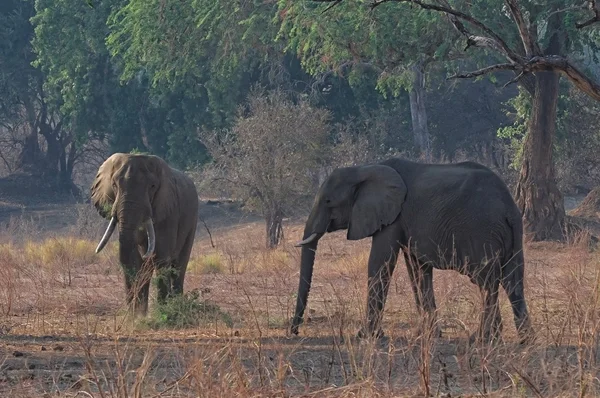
(60, 338)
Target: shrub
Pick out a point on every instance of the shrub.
(184, 311)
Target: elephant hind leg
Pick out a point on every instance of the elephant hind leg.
(421, 280)
(181, 265)
(512, 282)
(490, 328)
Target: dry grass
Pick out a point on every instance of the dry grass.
(57, 294)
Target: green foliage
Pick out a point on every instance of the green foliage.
(347, 36)
(515, 133)
(186, 311)
(18, 78)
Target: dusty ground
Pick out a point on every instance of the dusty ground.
(63, 331)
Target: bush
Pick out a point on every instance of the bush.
(185, 311)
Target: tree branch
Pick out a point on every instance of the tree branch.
(562, 65)
(484, 71)
(529, 42)
(499, 44)
(596, 18)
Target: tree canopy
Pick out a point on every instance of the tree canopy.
(82, 78)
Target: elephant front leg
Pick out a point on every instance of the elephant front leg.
(166, 276)
(382, 261)
(137, 285)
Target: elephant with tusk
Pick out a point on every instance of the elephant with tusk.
(446, 216)
(155, 208)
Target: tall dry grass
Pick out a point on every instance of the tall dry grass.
(55, 292)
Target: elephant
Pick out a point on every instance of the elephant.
(156, 210)
(458, 216)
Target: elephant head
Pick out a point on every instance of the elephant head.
(133, 191)
(361, 199)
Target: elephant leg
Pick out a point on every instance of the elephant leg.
(382, 261)
(410, 267)
(163, 280)
(137, 285)
(421, 280)
(512, 282)
(181, 265)
(490, 329)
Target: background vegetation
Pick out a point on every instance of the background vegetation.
(259, 101)
(81, 79)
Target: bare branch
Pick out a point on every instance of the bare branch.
(562, 65)
(527, 37)
(514, 79)
(335, 3)
(207, 230)
(500, 44)
(484, 71)
(567, 9)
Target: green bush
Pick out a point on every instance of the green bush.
(186, 311)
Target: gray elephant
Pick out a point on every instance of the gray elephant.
(156, 209)
(446, 216)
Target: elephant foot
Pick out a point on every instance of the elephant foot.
(436, 332)
(295, 325)
(365, 334)
(527, 337)
(486, 339)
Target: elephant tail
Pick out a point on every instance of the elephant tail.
(513, 264)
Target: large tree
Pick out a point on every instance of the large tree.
(537, 41)
(396, 48)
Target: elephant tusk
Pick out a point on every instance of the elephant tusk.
(151, 238)
(307, 240)
(109, 231)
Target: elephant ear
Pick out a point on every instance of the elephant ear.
(165, 197)
(378, 200)
(102, 193)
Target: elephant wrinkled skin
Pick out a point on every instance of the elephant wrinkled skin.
(446, 216)
(155, 208)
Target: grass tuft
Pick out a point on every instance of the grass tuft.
(186, 311)
(211, 263)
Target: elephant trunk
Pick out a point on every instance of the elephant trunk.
(306, 270)
(127, 245)
(315, 228)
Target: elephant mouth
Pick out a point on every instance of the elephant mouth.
(336, 226)
(149, 227)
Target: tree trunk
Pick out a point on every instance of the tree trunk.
(418, 112)
(537, 193)
(274, 224)
(31, 154)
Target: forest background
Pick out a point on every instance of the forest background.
(259, 100)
